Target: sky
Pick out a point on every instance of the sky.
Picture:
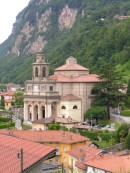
(9, 9)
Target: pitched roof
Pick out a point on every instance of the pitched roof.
(71, 65)
(70, 97)
(9, 93)
(56, 119)
(47, 136)
(112, 163)
(82, 78)
(32, 152)
(84, 153)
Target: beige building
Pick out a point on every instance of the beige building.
(67, 93)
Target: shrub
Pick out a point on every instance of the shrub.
(125, 113)
(4, 126)
(4, 119)
(127, 144)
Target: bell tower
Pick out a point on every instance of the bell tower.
(40, 68)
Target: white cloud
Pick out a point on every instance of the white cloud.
(8, 12)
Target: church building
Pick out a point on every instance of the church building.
(68, 93)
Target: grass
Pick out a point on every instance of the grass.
(125, 113)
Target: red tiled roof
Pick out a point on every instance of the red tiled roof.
(83, 154)
(9, 93)
(112, 163)
(82, 78)
(85, 151)
(71, 67)
(70, 97)
(47, 136)
(10, 147)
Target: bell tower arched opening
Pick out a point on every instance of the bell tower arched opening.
(44, 72)
(36, 72)
(43, 111)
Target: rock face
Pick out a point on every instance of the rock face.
(67, 18)
(31, 38)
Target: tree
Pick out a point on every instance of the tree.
(18, 98)
(122, 133)
(128, 94)
(95, 113)
(54, 126)
(2, 102)
(127, 142)
(109, 93)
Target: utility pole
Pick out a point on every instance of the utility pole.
(20, 156)
(62, 168)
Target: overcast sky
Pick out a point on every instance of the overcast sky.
(8, 12)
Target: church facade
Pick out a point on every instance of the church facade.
(67, 93)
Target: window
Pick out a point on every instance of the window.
(64, 159)
(56, 159)
(63, 107)
(36, 72)
(29, 88)
(44, 72)
(75, 107)
(64, 149)
(51, 88)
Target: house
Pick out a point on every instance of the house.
(14, 150)
(66, 93)
(109, 164)
(41, 124)
(61, 140)
(78, 156)
(8, 98)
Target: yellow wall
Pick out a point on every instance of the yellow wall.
(64, 157)
(7, 106)
(72, 167)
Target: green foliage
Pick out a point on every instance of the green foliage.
(127, 142)
(122, 133)
(4, 126)
(54, 126)
(109, 94)
(95, 113)
(4, 119)
(2, 102)
(96, 37)
(18, 97)
(125, 113)
(102, 138)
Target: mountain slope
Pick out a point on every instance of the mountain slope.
(88, 30)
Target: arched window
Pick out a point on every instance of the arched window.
(36, 72)
(44, 72)
(75, 107)
(63, 107)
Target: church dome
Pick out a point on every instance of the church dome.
(71, 60)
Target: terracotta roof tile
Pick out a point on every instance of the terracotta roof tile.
(70, 97)
(85, 151)
(56, 119)
(47, 136)
(10, 147)
(71, 67)
(82, 78)
(108, 163)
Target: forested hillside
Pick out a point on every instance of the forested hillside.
(91, 31)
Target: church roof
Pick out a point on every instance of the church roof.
(70, 97)
(82, 78)
(71, 65)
